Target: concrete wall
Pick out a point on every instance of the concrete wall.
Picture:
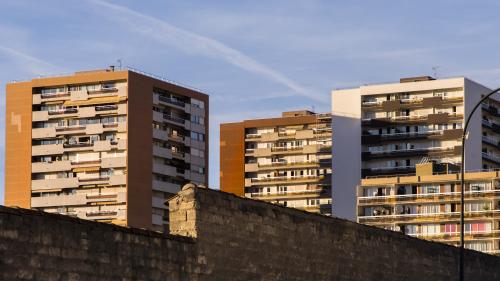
(473, 93)
(346, 151)
(228, 238)
(473, 144)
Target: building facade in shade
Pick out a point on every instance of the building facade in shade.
(283, 160)
(104, 145)
(427, 205)
(389, 128)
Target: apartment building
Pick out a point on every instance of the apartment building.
(104, 145)
(284, 160)
(427, 205)
(389, 128)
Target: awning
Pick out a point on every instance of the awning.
(91, 101)
(86, 169)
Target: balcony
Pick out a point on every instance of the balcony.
(106, 107)
(430, 151)
(391, 171)
(413, 102)
(86, 163)
(490, 141)
(51, 184)
(170, 100)
(285, 150)
(57, 201)
(490, 109)
(77, 145)
(63, 111)
(69, 129)
(109, 197)
(100, 214)
(491, 157)
(177, 138)
(436, 118)
(48, 149)
(46, 167)
(436, 134)
(93, 180)
(427, 197)
(103, 91)
(166, 186)
(285, 179)
(428, 217)
(54, 95)
(312, 193)
(291, 165)
(173, 118)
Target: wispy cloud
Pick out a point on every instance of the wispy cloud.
(30, 63)
(187, 41)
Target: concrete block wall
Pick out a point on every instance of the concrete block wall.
(218, 236)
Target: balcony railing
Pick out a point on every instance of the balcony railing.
(54, 95)
(490, 157)
(103, 91)
(285, 178)
(432, 215)
(63, 111)
(69, 128)
(176, 137)
(100, 178)
(110, 125)
(101, 196)
(279, 148)
(173, 118)
(252, 136)
(171, 101)
(472, 195)
(490, 140)
(86, 162)
(428, 149)
(287, 164)
(101, 213)
(106, 107)
(285, 193)
(80, 144)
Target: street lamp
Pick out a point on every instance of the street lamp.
(462, 183)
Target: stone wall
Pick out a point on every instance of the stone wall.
(41, 246)
(218, 236)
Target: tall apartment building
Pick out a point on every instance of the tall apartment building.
(427, 205)
(283, 160)
(104, 145)
(388, 128)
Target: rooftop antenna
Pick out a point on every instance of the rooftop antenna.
(119, 61)
(434, 69)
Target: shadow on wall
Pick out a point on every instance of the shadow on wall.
(346, 164)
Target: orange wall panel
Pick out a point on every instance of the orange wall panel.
(232, 158)
(18, 145)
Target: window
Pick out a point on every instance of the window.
(480, 186)
(431, 229)
(430, 189)
(198, 136)
(197, 152)
(197, 169)
(451, 228)
(197, 103)
(197, 119)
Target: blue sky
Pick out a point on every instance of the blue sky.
(254, 58)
